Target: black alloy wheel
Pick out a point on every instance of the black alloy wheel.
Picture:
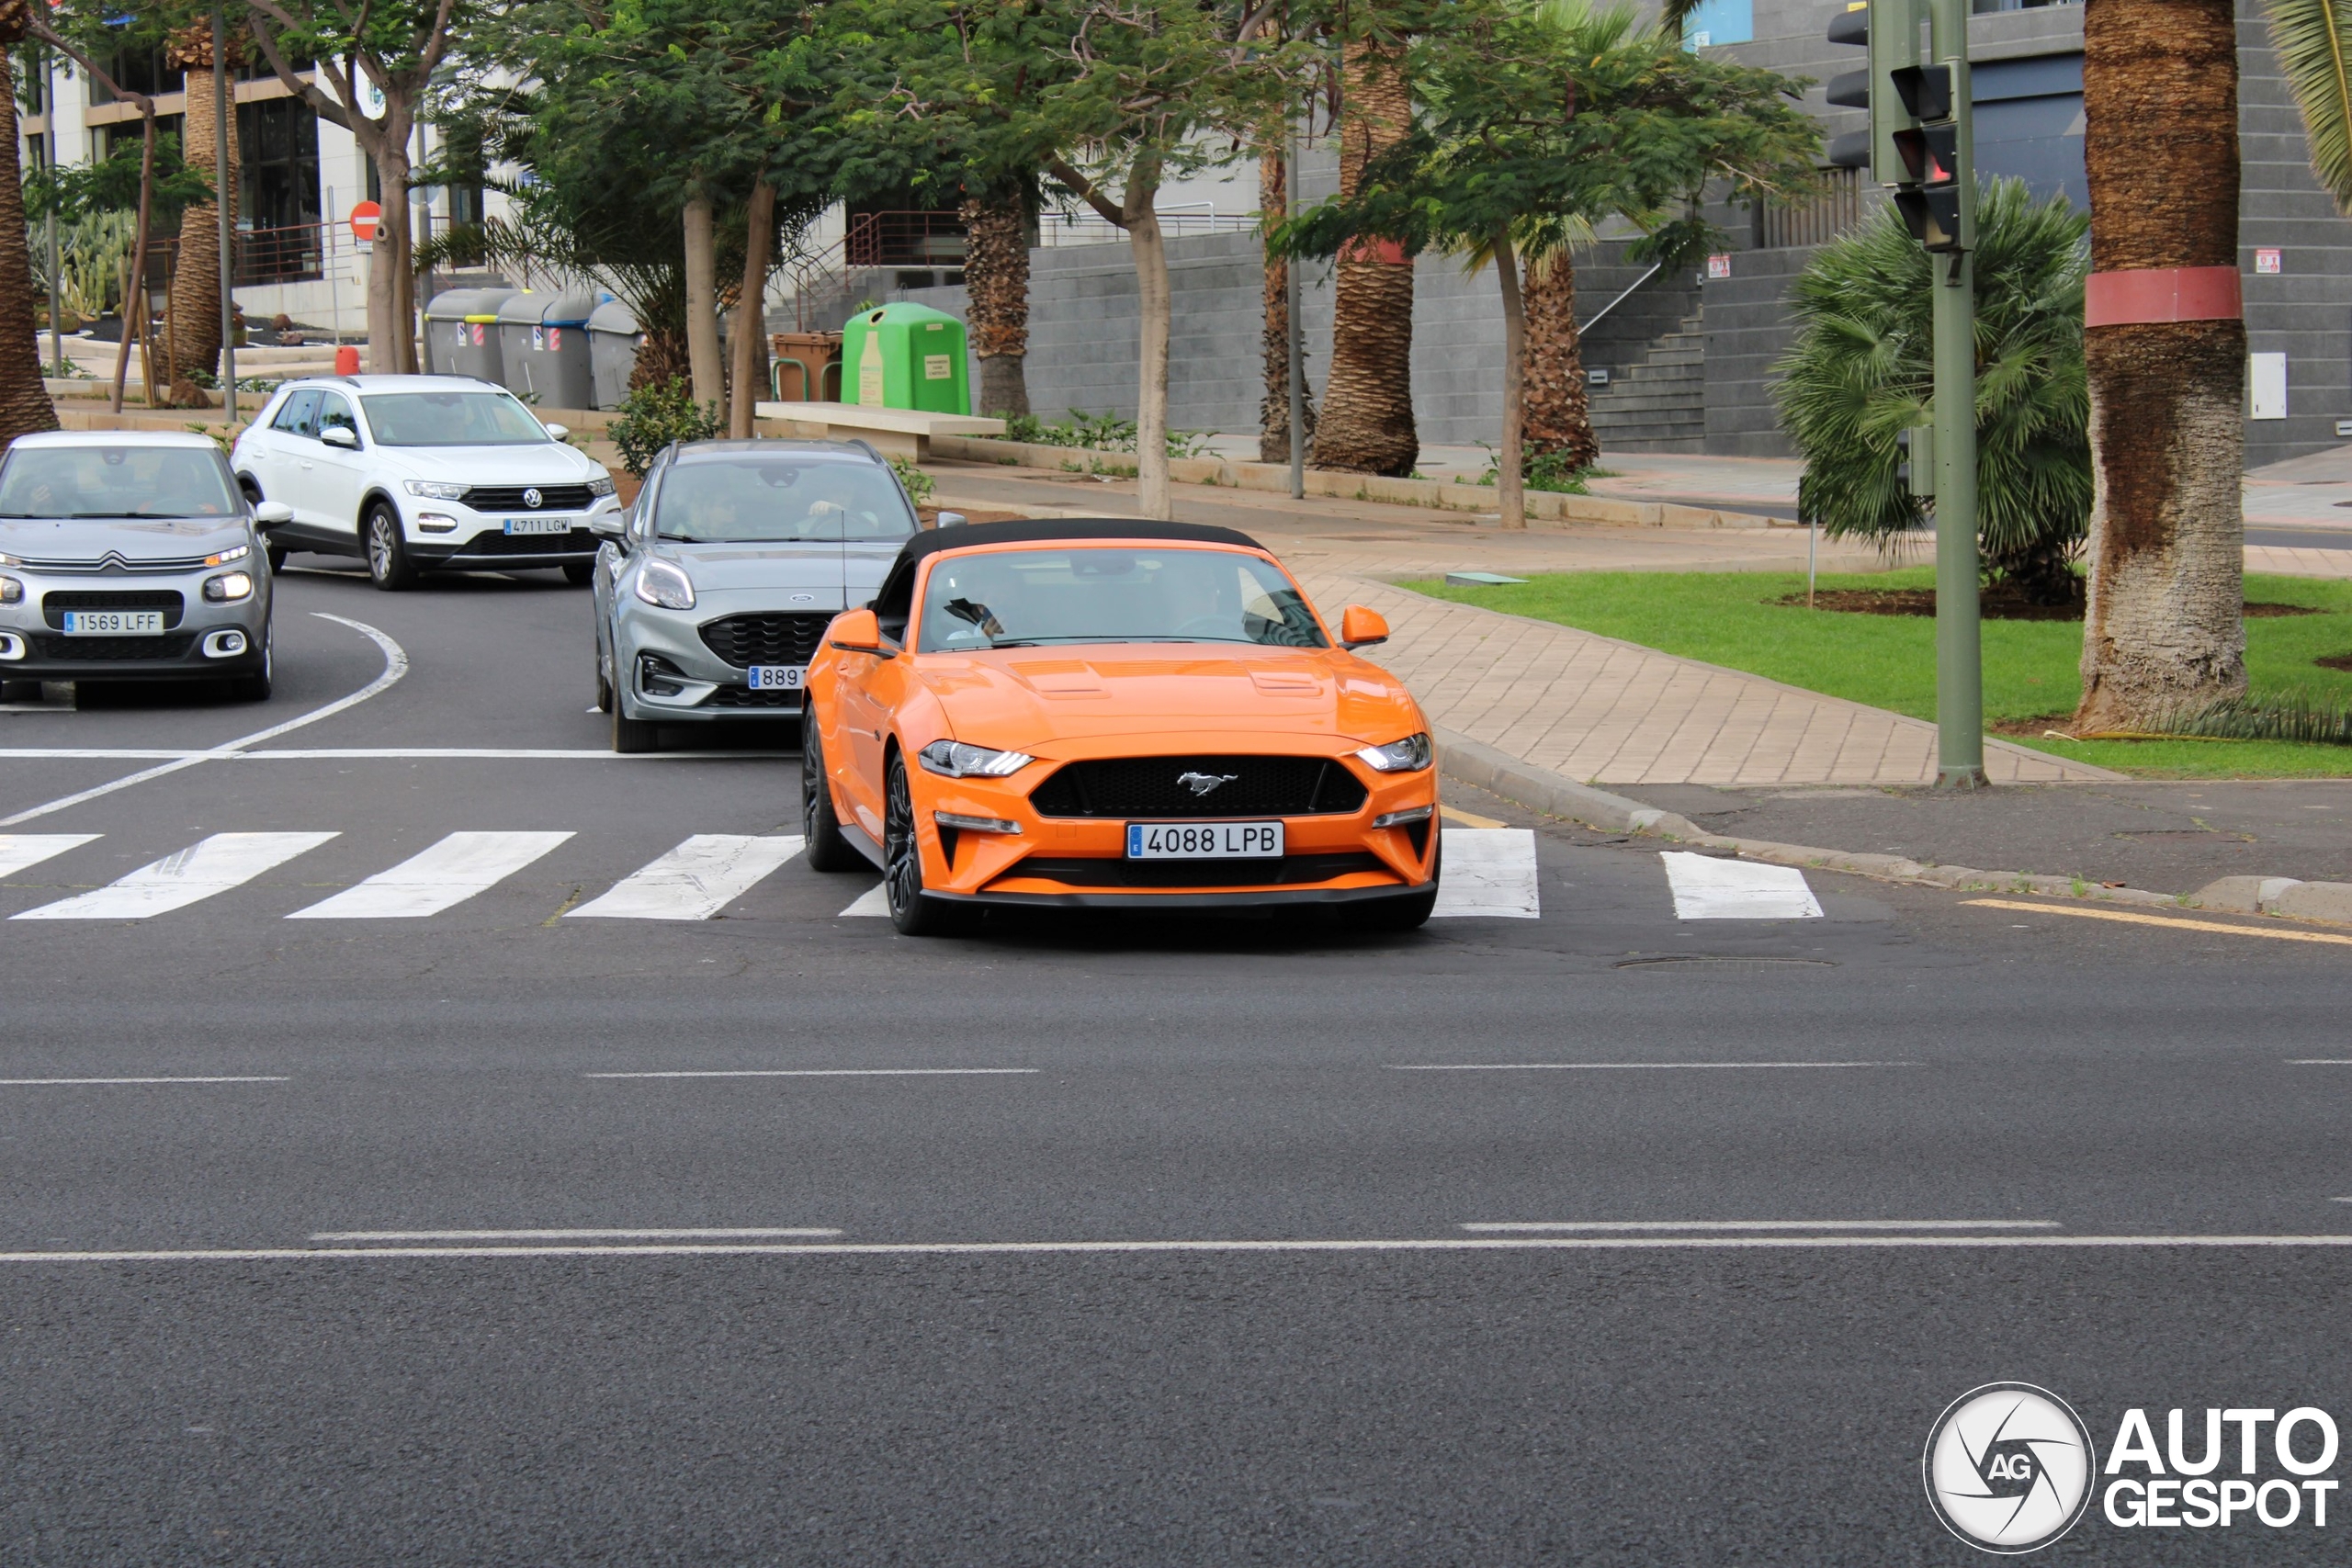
(254, 687)
(603, 680)
(389, 567)
(821, 831)
(911, 911)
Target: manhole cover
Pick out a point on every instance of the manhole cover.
(1714, 961)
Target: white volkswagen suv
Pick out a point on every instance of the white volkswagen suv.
(422, 473)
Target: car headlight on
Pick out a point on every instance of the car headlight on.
(1409, 755)
(234, 552)
(228, 588)
(602, 485)
(957, 760)
(433, 489)
(659, 582)
(11, 591)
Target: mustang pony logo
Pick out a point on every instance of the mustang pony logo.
(1201, 783)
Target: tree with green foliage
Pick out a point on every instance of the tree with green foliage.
(1535, 118)
(23, 403)
(1862, 371)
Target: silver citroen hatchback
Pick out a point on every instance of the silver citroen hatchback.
(131, 556)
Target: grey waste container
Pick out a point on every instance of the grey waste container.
(461, 333)
(544, 342)
(612, 340)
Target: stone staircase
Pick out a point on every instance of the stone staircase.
(1657, 402)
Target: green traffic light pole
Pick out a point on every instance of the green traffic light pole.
(1959, 674)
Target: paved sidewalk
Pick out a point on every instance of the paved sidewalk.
(1589, 707)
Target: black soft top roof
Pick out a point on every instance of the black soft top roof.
(1062, 530)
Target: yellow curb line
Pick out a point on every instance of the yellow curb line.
(2130, 918)
(1469, 818)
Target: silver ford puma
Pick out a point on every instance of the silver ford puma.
(714, 587)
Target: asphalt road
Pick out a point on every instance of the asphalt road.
(1116, 1241)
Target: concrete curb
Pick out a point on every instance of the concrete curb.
(1540, 789)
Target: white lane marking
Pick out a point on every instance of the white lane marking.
(2321, 1062)
(395, 666)
(1840, 1243)
(1612, 1066)
(366, 753)
(694, 880)
(874, 900)
(744, 1232)
(1488, 872)
(1535, 1227)
(1706, 888)
(205, 868)
(830, 1073)
(31, 1083)
(447, 874)
(18, 851)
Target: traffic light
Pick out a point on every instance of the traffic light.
(1928, 152)
(1889, 30)
(1916, 471)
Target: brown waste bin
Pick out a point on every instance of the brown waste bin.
(808, 367)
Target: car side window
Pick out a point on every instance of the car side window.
(298, 414)
(334, 412)
(895, 602)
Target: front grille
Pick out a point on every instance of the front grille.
(746, 640)
(509, 497)
(579, 540)
(53, 606)
(94, 649)
(110, 565)
(1287, 872)
(744, 697)
(1148, 786)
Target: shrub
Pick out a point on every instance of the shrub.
(1863, 370)
(919, 485)
(652, 417)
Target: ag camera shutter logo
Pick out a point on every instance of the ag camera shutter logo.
(2008, 1468)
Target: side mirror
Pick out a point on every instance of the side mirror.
(951, 520)
(856, 631)
(1360, 628)
(612, 526)
(557, 431)
(340, 436)
(269, 514)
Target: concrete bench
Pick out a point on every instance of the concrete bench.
(901, 433)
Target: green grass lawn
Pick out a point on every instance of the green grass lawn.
(1889, 661)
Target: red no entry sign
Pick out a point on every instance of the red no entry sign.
(364, 220)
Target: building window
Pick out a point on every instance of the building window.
(278, 142)
(141, 71)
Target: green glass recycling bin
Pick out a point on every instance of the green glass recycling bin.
(906, 356)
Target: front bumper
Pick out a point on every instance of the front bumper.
(34, 647)
(710, 690)
(479, 543)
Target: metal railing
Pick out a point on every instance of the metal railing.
(1815, 219)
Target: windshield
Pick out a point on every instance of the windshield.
(1021, 598)
(451, 419)
(761, 500)
(116, 481)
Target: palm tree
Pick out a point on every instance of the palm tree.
(996, 281)
(24, 406)
(1861, 370)
(1366, 424)
(194, 323)
(2313, 38)
(1274, 409)
(2164, 629)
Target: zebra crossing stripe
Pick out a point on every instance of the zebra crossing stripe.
(694, 880)
(1706, 888)
(1488, 872)
(449, 873)
(183, 877)
(874, 900)
(18, 851)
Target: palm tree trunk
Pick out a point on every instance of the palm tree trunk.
(996, 281)
(704, 362)
(1274, 409)
(1367, 421)
(751, 345)
(1510, 483)
(1559, 410)
(23, 405)
(2164, 626)
(195, 302)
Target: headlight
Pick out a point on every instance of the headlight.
(959, 760)
(11, 591)
(228, 588)
(603, 485)
(234, 552)
(434, 491)
(1409, 755)
(659, 582)
(9, 561)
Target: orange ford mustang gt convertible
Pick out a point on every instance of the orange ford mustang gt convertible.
(1113, 714)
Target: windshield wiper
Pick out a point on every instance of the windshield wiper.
(128, 516)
